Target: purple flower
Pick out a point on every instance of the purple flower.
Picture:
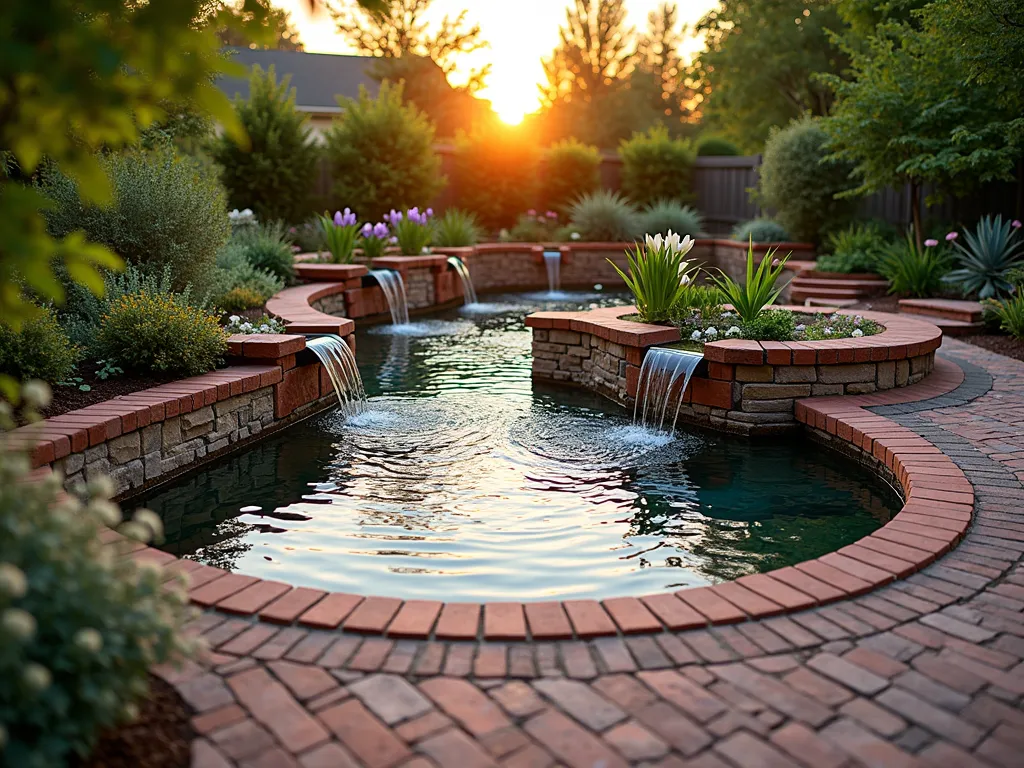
(930, 243)
(531, 212)
(367, 230)
(1016, 224)
(337, 219)
(430, 212)
(952, 236)
(394, 217)
(380, 230)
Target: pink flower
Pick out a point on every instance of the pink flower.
(952, 236)
(531, 212)
(930, 243)
(1016, 224)
(551, 215)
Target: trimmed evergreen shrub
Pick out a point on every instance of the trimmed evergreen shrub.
(40, 350)
(381, 155)
(716, 146)
(760, 231)
(166, 211)
(656, 166)
(665, 215)
(571, 169)
(495, 175)
(274, 174)
(605, 216)
(162, 334)
(800, 182)
(267, 248)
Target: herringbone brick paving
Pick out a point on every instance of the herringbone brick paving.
(927, 671)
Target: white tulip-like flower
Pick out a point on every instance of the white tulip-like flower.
(13, 583)
(695, 336)
(247, 211)
(733, 331)
(857, 333)
(18, 624)
(712, 331)
(654, 243)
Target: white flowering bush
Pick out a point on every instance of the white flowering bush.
(265, 324)
(80, 622)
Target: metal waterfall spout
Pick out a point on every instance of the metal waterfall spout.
(390, 281)
(553, 263)
(664, 376)
(340, 364)
(468, 291)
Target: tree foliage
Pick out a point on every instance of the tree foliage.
(659, 59)
(262, 27)
(271, 174)
(759, 65)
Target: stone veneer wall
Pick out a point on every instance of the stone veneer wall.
(748, 387)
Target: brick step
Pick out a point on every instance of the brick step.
(830, 303)
(799, 295)
(948, 309)
(821, 282)
(952, 327)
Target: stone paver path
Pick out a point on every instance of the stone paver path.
(927, 671)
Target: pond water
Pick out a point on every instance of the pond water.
(464, 480)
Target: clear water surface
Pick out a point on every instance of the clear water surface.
(466, 481)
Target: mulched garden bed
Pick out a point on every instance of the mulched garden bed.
(160, 738)
(1000, 344)
(70, 398)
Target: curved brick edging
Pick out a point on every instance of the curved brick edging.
(938, 509)
(747, 386)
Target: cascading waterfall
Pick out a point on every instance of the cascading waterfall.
(390, 281)
(340, 364)
(663, 369)
(553, 262)
(468, 291)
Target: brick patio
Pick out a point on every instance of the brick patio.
(926, 670)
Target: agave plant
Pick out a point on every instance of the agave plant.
(605, 216)
(658, 276)
(758, 290)
(985, 256)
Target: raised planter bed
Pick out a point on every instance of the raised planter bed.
(750, 386)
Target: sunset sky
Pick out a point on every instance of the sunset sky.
(520, 32)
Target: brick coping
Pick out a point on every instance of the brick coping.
(938, 510)
(902, 338)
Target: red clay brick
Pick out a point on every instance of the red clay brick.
(504, 621)
(458, 621)
(330, 612)
(547, 621)
(415, 619)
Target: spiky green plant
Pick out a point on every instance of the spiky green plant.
(665, 215)
(605, 216)
(456, 228)
(913, 271)
(758, 290)
(985, 257)
(658, 278)
(1011, 315)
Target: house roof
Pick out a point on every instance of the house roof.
(316, 77)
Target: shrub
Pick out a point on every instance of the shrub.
(760, 231)
(658, 276)
(267, 247)
(239, 299)
(456, 229)
(308, 236)
(39, 350)
(272, 175)
(856, 248)
(381, 154)
(165, 212)
(160, 334)
(605, 217)
(237, 282)
(758, 290)
(800, 181)
(912, 271)
(985, 257)
(340, 234)
(771, 325)
(1011, 315)
(716, 146)
(533, 227)
(656, 167)
(571, 169)
(665, 215)
(82, 622)
(495, 174)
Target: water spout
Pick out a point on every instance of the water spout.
(391, 283)
(553, 262)
(468, 291)
(340, 364)
(664, 375)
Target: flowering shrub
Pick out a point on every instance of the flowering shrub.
(244, 219)
(913, 271)
(265, 324)
(658, 276)
(81, 623)
(835, 326)
(413, 230)
(160, 334)
(39, 350)
(373, 239)
(711, 324)
(535, 227)
(340, 234)
(758, 290)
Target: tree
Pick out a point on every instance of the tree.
(398, 29)
(271, 173)
(658, 53)
(910, 115)
(594, 53)
(266, 27)
(759, 65)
